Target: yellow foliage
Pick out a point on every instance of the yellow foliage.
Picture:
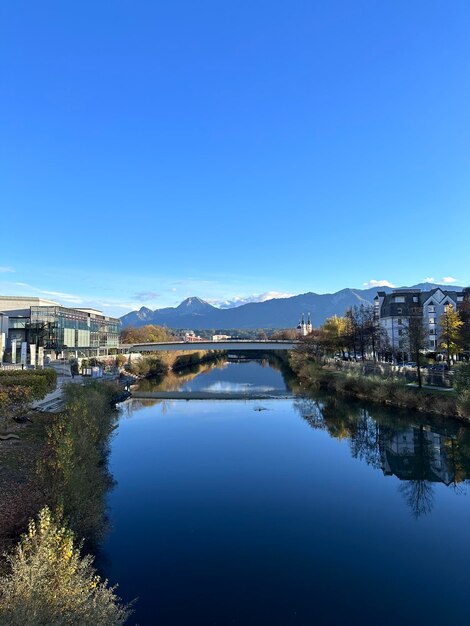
(50, 583)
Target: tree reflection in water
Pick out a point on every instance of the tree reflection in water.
(419, 451)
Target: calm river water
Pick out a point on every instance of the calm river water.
(302, 511)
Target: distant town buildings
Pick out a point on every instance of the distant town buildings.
(393, 311)
(221, 337)
(55, 329)
(191, 337)
(303, 328)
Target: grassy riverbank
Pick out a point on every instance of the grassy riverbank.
(58, 462)
(380, 390)
(162, 363)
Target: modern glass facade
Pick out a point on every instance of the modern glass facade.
(57, 327)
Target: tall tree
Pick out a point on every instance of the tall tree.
(353, 329)
(450, 337)
(415, 335)
(334, 334)
(464, 312)
(371, 329)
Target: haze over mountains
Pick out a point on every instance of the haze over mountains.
(194, 313)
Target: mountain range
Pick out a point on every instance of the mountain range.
(195, 313)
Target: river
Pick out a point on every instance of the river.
(301, 510)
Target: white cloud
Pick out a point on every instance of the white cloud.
(378, 283)
(4, 269)
(429, 279)
(70, 298)
(447, 280)
(256, 297)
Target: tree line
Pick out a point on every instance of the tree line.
(358, 335)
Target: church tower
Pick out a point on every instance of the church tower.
(309, 325)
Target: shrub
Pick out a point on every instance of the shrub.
(463, 403)
(121, 360)
(40, 382)
(50, 583)
(148, 366)
(72, 474)
(462, 377)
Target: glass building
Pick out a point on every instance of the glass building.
(61, 328)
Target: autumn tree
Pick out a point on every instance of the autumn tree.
(450, 337)
(334, 334)
(146, 334)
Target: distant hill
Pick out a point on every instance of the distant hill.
(195, 313)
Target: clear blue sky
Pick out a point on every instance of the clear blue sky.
(154, 150)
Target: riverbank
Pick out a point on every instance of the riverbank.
(58, 461)
(386, 391)
(25, 485)
(149, 366)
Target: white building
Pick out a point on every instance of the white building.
(303, 328)
(393, 311)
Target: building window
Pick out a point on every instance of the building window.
(400, 321)
(399, 299)
(432, 320)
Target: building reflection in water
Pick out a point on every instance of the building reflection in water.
(417, 452)
(420, 455)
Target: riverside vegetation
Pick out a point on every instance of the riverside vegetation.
(315, 373)
(45, 578)
(320, 360)
(164, 362)
(19, 388)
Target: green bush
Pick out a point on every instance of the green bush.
(49, 582)
(148, 366)
(462, 377)
(40, 382)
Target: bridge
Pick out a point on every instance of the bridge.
(234, 345)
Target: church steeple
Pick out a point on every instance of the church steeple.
(304, 328)
(309, 325)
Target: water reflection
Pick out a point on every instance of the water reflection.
(418, 453)
(223, 375)
(274, 511)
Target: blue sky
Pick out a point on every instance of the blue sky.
(154, 150)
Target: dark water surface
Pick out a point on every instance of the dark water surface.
(309, 511)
